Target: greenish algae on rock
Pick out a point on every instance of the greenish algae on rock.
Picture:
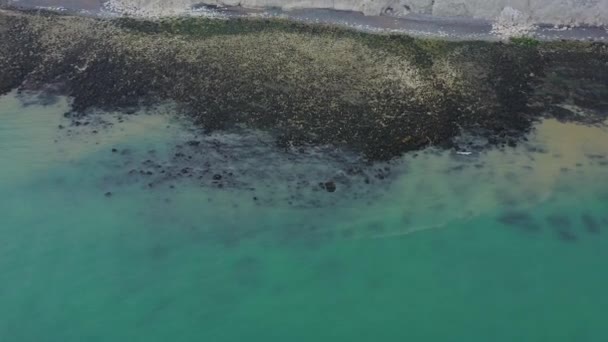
(381, 95)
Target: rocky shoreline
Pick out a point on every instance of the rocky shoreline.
(379, 95)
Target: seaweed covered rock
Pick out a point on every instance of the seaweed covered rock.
(18, 46)
(381, 95)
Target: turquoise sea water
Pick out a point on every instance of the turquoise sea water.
(507, 245)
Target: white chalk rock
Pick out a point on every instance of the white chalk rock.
(573, 12)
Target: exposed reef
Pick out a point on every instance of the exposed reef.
(381, 95)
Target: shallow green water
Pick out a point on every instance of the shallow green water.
(513, 249)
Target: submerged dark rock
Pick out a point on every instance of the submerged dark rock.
(590, 223)
(519, 219)
(559, 221)
(193, 143)
(566, 235)
(236, 160)
(562, 225)
(330, 186)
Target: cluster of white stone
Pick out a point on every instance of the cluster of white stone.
(512, 23)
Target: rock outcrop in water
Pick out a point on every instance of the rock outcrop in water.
(381, 95)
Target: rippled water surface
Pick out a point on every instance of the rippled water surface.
(506, 245)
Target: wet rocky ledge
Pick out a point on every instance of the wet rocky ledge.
(379, 95)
